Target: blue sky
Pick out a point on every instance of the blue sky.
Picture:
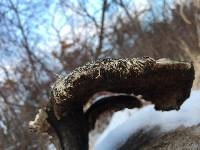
(48, 18)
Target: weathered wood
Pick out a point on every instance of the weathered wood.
(72, 130)
(165, 83)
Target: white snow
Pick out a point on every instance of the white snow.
(125, 123)
(51, 147)
(4, 127)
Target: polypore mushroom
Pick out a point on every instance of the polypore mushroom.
(163, 82)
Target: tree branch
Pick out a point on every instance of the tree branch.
(101, 35)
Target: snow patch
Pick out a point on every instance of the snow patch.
(4, 127)
(125, 123)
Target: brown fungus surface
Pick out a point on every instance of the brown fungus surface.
(164, 82)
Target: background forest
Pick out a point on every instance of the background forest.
(40, 39)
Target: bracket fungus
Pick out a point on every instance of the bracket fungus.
(165, 83)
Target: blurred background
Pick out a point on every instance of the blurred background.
(42, 38)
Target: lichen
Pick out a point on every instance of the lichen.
(40, 123)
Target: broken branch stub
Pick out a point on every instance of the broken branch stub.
(164, 82)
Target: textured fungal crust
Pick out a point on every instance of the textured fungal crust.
(164, 82)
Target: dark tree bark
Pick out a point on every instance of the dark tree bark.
(165, 83)
(71, 130)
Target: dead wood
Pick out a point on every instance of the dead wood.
(163, 82)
